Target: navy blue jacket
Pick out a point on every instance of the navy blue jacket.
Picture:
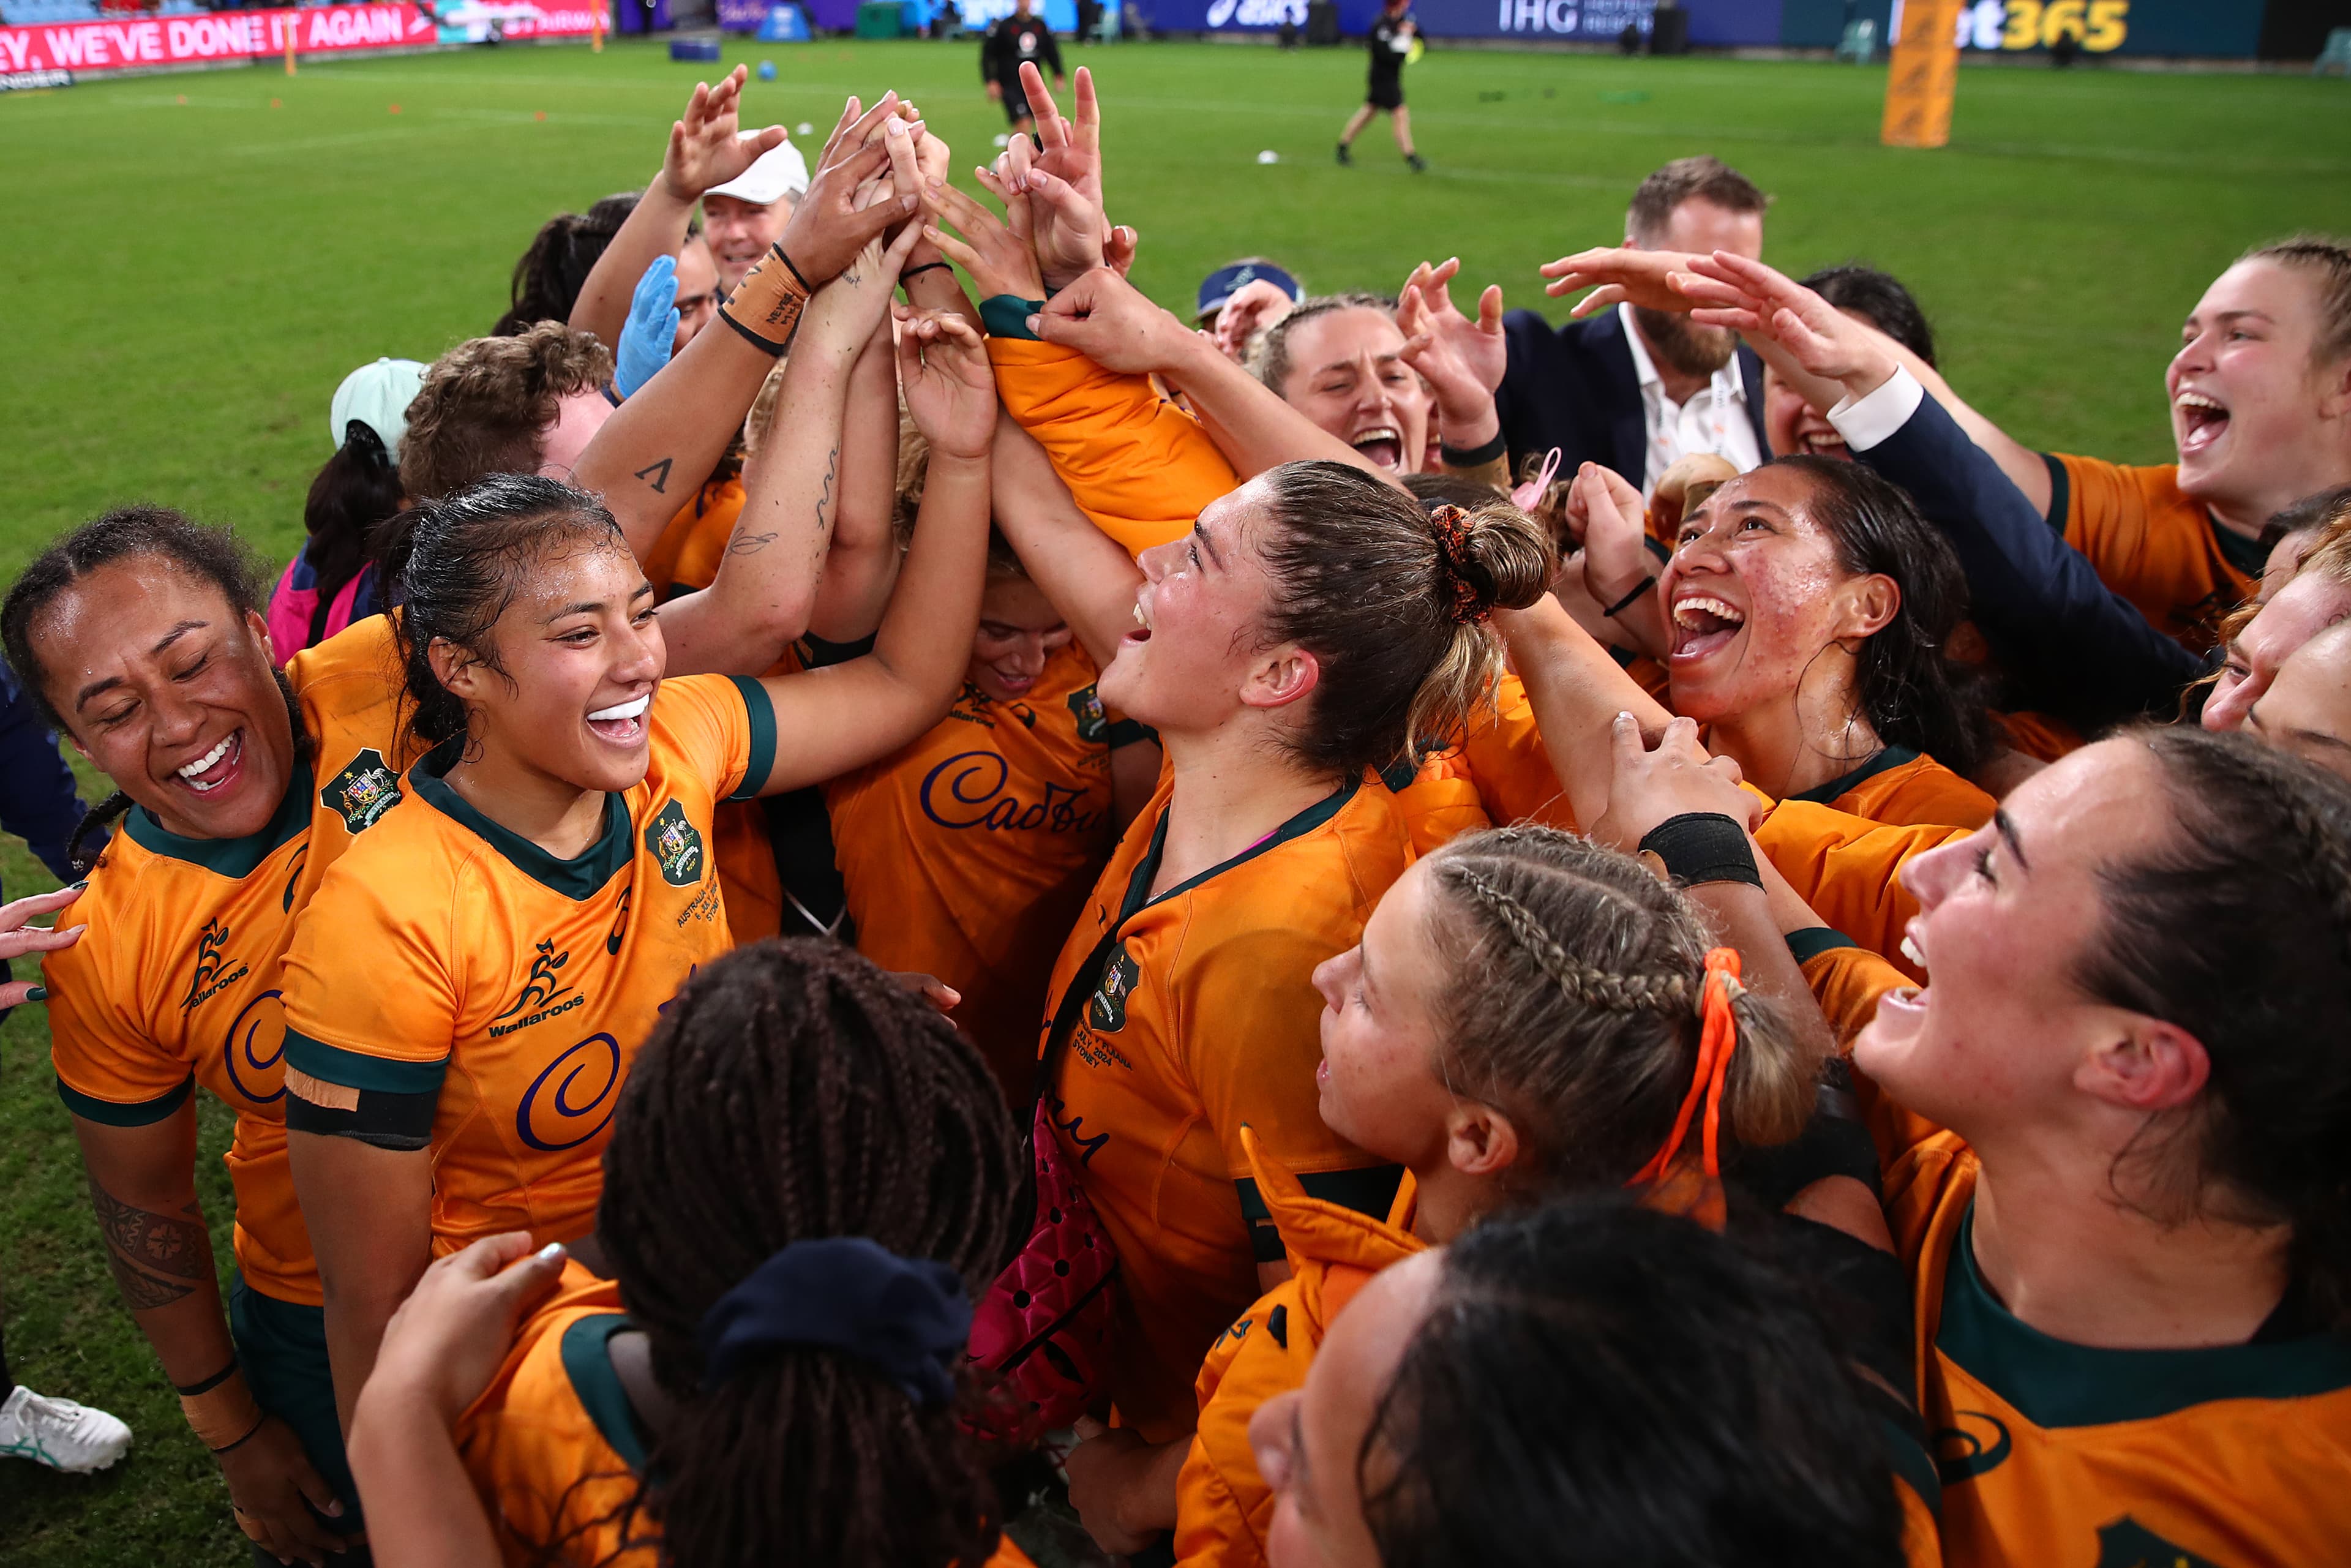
(1574, 387)
(2070, 645)
(37, 798)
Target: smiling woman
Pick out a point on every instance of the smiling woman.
(139, 635)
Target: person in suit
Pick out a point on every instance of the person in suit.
(1635, 389)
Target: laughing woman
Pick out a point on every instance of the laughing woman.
(1805, 612)
(458, 1025)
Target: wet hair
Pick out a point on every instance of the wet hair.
(485, 404)
(1271, 355)
(1365, 580)
(2328, 262)
(792, 1091)
(1596, 1383)
(211, 555)
(1569, 1003)
(351, 498)
(1702, 179)
(549, 277)
(2236, 927)
(1879, 298)
(469, 555)
(1906, 683)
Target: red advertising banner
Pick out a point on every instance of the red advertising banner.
(152, 41)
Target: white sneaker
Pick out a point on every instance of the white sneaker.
(60, 1433)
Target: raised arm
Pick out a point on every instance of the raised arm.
(659, 444)
(862, 565)
(1576, 689)
(704, 151)
(1463, 359)
(766, 584)
(847, 714)
(1083, 571)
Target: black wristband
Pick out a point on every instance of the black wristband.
(261, 1419)
(1629, 600)
(1472, 456)
(209, 1383)
(1703, 846)
(927, 266)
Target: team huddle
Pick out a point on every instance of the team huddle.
(859, 879)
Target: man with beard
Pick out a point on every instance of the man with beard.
(1634, 389)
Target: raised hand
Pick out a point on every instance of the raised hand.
(650, 330)
(1604, 514)
(1066, 178)
(1106, 318)
(1461, 345)
(1256, 305)
(1619, 274)
(994, 251)
(1748, 296)
(1650, 785)
(846, 312)
(703, 147)
(827, 227)
(948, 385)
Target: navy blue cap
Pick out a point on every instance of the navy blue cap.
(1227, 281)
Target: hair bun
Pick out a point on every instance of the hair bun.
(1495, 557)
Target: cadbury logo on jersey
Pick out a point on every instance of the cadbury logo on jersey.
(676, 845)
(968, 790)
(362, 791)
(216, 971)
(542, 996)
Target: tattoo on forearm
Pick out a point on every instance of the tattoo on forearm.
(824, 498)
(750, 544)
(157, 1258)
(655, 476)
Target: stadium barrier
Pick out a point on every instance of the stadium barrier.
(150, 43)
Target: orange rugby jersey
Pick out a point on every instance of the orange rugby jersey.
(177, 980)
(2062, 1456)
(1903, 788)
(2157, 548)
(685, 556)
(968, 854)
(456, 957)
(1504, 756)
(557, 1451)
(1178, 1020)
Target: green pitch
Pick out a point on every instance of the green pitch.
(192, 263)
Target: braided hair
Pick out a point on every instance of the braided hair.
(1571, 1004)
(2237, 929)
(792, 1091)
(211, 555)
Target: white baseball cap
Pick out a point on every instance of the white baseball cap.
(781, 171)
(378, 396)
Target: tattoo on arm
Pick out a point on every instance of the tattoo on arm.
(824, 498)
(750, 544)
(655, 476)
(157, 1258)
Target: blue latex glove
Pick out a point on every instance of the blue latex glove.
(653, 328)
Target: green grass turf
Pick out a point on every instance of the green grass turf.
(194, 261)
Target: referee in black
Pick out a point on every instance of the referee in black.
(1391, 38)
(1022, 35)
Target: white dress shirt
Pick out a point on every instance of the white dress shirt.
(1715, 419)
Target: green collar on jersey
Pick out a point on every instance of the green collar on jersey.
(587, 1362)
(578, 879)
(232, 858)
(1146, 870)
(1887, 757)
(2054, 1384)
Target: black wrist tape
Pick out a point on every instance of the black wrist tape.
(1703, 846)
(1473, 456)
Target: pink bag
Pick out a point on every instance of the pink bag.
(1044, 1327)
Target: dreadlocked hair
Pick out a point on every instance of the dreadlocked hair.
(793, 1092)
(2236, 927)
(211, 555)
(1571, 1004)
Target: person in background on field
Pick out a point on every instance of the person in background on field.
(1393, 33)
(331, 580)
(548, 276)
(1021, 39)
(1634, 389)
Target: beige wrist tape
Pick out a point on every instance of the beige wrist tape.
(766, 305)
(224, 1415)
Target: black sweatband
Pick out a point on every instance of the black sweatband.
(1629, 600)
(1703, 846)
(1472, 456)
(383, 1119)
(927, 266)
(191, 1390)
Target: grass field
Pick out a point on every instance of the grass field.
(194, 262)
